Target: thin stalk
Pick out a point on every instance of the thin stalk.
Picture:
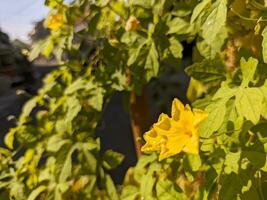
(140, 118)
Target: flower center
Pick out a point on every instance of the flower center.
(189, 133)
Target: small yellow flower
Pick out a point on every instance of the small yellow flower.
(179, 133)
(132, 24)
(55, 21)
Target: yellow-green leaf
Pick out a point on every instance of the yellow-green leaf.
(249, 102)
(9, 138)
(36, 192)
(264, 44)
(215, 22)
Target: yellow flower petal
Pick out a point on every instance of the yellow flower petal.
(192, 145)
(170, 136)
(163, 122)
(152, 141)
(177, 108)
(173, 146)
(187, 118)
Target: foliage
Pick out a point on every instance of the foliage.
(114, 45)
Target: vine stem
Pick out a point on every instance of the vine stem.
(260, 185)
(140, 118)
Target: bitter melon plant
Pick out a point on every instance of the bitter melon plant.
(214, 148)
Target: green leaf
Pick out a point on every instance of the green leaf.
(57, 195)
(36, 49)
(158, 7)
(249, 192)
(67, 167)
(76, 86)
(230, 187)
(263, 90)
(112, 159)
(60, 189)
(142, 164)
(130, 192)
(97, 98)
(211, 50)
(179, 26)
(28, 107)
(90, 145)
(134, 53)
(48, 47)
(232, 162)
(36, 192)
(224, 92)
(74, 108)
(258, 159)
(194, 161)
(9, 138)
(264, 44)
(90, 160)
(5, 152)
(111, 189)
(195, 90)
(121, 80)
(167, 190)
(145, 160)
(17, 191)
(215, 22)
(62, 125)
(215, 118)
(129, 38)
(248, 69)
(152, 63)
(55, 143)
(232, 121)
(199, 9)
(182, 8)
(143, 3)
(210, 180)
(147, 183)
(102, 3)
(176, 47)
(249, 102)
(207, 71)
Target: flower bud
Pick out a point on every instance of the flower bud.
(132, 24)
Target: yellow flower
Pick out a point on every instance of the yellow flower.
(179, 133)
(55, 21)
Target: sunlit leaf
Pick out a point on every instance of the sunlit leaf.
(248, 69)
(168, 190)
(199, 8)
(36, 192)
(176, 47)
(264, 44)
(178, 26)
(249, 103)
(112, 159)
(152, 62)
(215, 118)
(215, 22)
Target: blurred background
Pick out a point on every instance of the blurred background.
(21, 26)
